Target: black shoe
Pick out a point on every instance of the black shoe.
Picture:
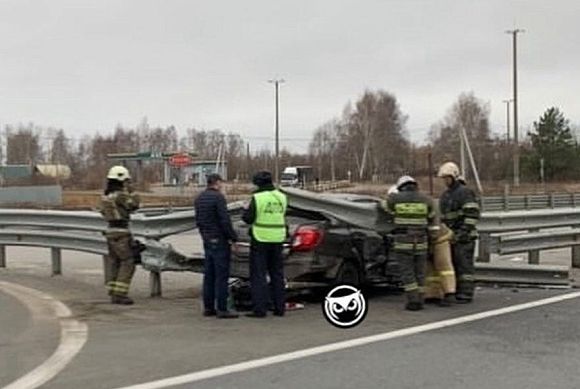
(227, 315)
(121, 300)
(447, 301)
(463, 299)
(414, 306)
(209, 312)
(256, 315)
(280, 314)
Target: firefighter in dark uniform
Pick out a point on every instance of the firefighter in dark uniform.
(460, 212)
(117, 204)
(414, 223)
(266, 214)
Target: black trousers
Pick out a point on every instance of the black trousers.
(216, 274)
(463, 262)
(266, 259)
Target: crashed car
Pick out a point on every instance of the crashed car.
(323, 249)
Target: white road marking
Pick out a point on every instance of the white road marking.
(291, 356)
(73, 336)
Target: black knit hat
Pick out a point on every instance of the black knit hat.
(262, 178)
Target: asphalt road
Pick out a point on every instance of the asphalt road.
(160, 338)
(27, 338)
(532, 349)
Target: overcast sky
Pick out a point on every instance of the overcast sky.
(87, 65)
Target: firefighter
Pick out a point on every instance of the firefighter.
(460, 212)
(117, 204)
(266, 214)
(414, 222)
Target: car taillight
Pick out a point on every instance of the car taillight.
(306, 238)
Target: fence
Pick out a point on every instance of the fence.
(38, 195)
(530, 202)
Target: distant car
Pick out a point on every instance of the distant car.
(324, 251)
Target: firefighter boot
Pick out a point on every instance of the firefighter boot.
(121, 300)
(414, 301)
(447, 300)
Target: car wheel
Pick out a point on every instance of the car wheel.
(349, 273)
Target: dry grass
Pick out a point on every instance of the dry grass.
(90, 200)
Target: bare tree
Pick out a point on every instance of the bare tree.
(23, 144)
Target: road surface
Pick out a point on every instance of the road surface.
(163, 338)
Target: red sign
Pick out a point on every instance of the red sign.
(180, 160)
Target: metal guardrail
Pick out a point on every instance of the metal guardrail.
(530, 202)
(151, 227)
(364, 215)
(81, 231)
(494, 224)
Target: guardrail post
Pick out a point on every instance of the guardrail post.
(506, 203)
(576, 257)
(527, 202)
(484, 254)
(2, 256)
(56, 256)
(155, 283)
(534, 255)
(552, 203)
(573, 199)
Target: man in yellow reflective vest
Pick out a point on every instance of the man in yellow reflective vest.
(267, 216)
(414, 219)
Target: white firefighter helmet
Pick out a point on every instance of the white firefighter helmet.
(404, 180)
(119, 173)
(392, 190)
(449, 169)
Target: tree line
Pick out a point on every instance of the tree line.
(368, 141)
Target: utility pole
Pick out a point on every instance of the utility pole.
(462, 152)
(514, 34)
(507, 123)
(277, 82)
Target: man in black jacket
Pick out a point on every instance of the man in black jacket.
(217, 232)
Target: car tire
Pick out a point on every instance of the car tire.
(349, 273)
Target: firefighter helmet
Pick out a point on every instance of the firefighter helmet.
(404, 180)
(449, 169)
(119, 173)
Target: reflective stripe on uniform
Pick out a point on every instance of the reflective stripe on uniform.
(410, 246)
(471, 221)
(266, 225)
(452, 215)
(410, 221)
(471, 205)
(447, 272)
(411, 287)
(118, 287)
